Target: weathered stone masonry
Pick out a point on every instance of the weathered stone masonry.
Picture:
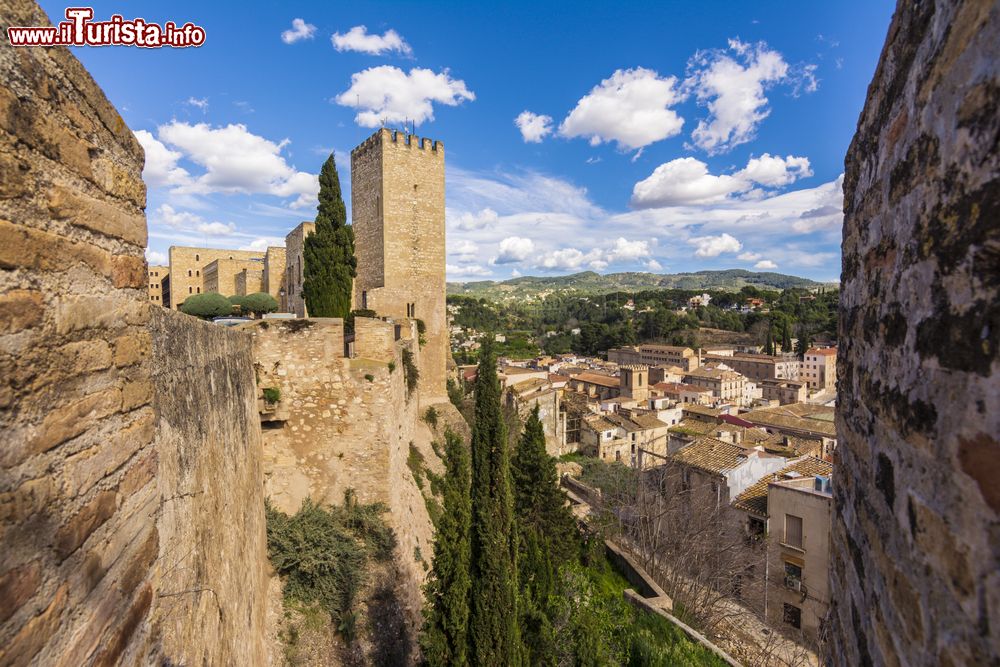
(916, 530)
(125, 481)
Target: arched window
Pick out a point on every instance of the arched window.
(189, 273)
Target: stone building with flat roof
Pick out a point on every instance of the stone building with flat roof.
(188, 267)
(156, 275)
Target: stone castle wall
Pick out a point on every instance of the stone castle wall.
(398, 214)
(95, 566)
(916, 559)
(295, 268)
(345, 423)
(212, 560)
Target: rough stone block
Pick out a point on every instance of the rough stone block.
(90, 517)
(97, 215)
(26, 248)
(20, 309)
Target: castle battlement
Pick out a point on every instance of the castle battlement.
(386, 137)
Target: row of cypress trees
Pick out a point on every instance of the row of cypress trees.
(504, 533)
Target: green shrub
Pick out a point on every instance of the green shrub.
(369, 377)
(410, 372)
(322, 553)
(415, 462)
(207, 305)
(272, 394)
(431, 417)
(392, 366)
(259, 303)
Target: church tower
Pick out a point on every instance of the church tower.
(397, 210)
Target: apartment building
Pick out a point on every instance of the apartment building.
(819, 368)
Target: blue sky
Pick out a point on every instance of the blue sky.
(594, 136)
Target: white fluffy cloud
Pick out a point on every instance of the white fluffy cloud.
(534, 127)
(713, 246)
(773, 170)
(686, 181)
(201, 103)
(154, 258)
(467, 271)
(631, 108)
(653, 265)
(514, 249)
(625, 250)
(161, 163)
(571, 259)
(464, 251)
(765, 264)
(300, 30)
(388, 94)
(731, 83)
(749, 256)
(358, 39)
(468, 221)
(262, 243)
(234, 160)
(189, 225)
(216, 228)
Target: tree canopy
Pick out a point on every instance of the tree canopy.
(207, 305)
(330, 264)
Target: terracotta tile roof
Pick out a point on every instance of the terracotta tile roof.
(822, 351)
(754, 499)
(711, 455)
(595, 378)
(797, 416)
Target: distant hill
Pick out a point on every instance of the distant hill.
(595, 283)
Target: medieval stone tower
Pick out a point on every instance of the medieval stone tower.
(635, 382)
(397, 209)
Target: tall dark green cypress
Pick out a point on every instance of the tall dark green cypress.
(494, 637)
(330, 265)
(445, 634)
(786, 336)
(548, 539)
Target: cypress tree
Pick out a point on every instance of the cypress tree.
(445, 634)
(547, 539)
(494, 639)
(330, 265)
(786, 336)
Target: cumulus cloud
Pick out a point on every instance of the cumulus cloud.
(262, 243)
(514, 249)
(533, 126)
(161, 163)
(154, 258)
(464, 251)
(687, 181)
(167, 215)
(631, 108)
(300, 30)
(732, 83)
(571, 259)
(748, 256)
(235, 161)
(713, 246)
(765, 264)
(216, 228)
(358, 39)
(388, 94)
(468, 271)
(773, 170)
(625, 250)
(653, 265)
(468, 221)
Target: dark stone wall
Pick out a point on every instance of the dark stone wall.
(916, 532)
